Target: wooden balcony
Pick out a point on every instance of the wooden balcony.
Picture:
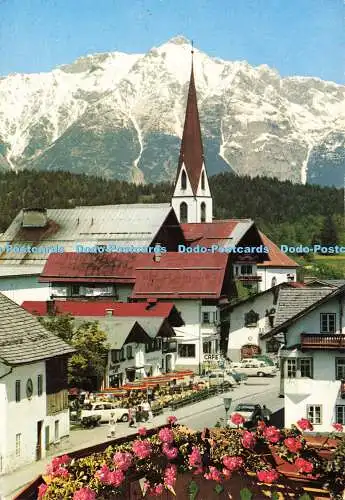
(249, 277)
(322, 341)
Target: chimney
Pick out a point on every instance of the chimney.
(109, 312)
(51, 307)
(34, 217)
(157, 252)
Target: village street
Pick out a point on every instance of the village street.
(197, 416)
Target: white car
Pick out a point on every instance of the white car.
(217, 377)
(251, 413)
(104, 410)
(258, 370)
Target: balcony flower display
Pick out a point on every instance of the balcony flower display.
(162, 460)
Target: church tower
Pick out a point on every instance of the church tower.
(192, 200)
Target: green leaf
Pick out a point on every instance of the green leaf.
(218, 489)
(275, 496)
(193, 490)
(305, 496)
(246, 494)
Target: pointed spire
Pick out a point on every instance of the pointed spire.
(191, 152)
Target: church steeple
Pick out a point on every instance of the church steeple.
(192, 199)
(192, 151)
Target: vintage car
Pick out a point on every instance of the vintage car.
(104, 410)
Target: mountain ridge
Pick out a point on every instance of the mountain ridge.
(121, 115)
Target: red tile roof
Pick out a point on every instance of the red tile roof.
(191, 152)
(182, 276)
(91, 268)
(209, 233)
(99, 308)
(276, 257)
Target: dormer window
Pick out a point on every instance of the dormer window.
(203, 181)
(183, 180)
(203, 212)
(327, 322)
(183, 213)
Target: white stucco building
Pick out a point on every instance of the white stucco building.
(33, 387)
(313, 357)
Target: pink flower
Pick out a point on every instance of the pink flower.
(166, 435)
(106, 476)
(103, 474)
(170, 475)
(142, 449)
(272, 434)
(169, 452)
(84, 494)
(122, 461)
(213, 474)
(338, 427)
(226, 473)
(171, 420)
(142, 431)
(42, 490)
(267, 476)
(116, 478)
(237, 419)
(155, 490)
(55, 468)
(305, 425)
(233, 463)
(261, 425)
(304, 466)
(293, 445)
(195, 457)
(248, 440)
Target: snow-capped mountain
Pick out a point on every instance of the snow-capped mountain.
(121, 116)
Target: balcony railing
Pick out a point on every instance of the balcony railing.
(249, 277)
(322, 341)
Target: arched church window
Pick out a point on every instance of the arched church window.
(203, 212)
(183, 180)
(203, 180)
(251, 318)
(183, 212)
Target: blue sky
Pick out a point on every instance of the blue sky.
(297, 37)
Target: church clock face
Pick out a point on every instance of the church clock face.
(29, 388)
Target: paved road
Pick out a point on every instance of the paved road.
(197, 416)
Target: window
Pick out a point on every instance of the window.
(18, 444)
(203, 181)
(206, 347)
(56, 430)
(17, 391)
(327, 321)
(186, 350)
(203, 212)
(122, 354)
(115, 355)
(251, 318)
(206, 317)
(129, 352)
(340, 414)
(247, 269)
(75, 290)
(273, 282)
(302, 365)
(39, 385)
(340, 368)
(183, 213)
(183, 180)
(314, 414)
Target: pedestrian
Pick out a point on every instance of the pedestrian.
(266, 414)
(148, 412)
(132, 417)
(112, 426)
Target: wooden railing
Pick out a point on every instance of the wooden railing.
(322, 341)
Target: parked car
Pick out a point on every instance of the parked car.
(104, 410)
(217, 377)
(251, 412)
(258, 370)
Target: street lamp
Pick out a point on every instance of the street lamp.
(227, 404)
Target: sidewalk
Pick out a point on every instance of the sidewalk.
(12, 483)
